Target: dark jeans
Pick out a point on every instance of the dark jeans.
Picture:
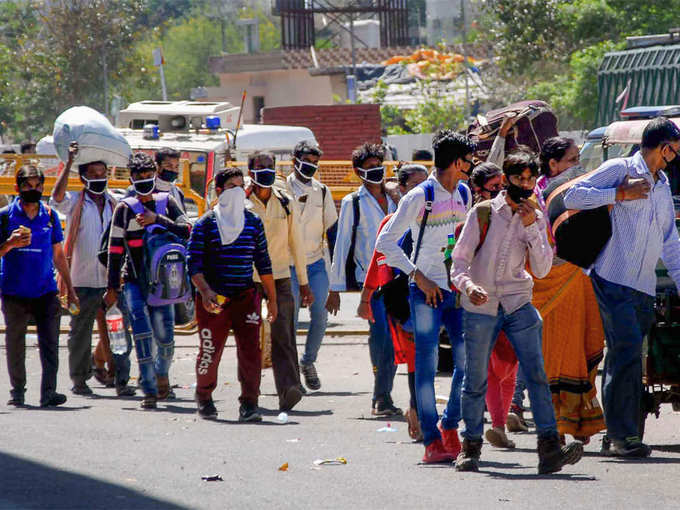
(381, 350)
(17, 312)
(627, 316)
(80, 336)
(284, 349)
(121, 362)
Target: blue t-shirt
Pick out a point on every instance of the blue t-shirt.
(29, 272)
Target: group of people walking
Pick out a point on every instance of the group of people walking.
(466, 248)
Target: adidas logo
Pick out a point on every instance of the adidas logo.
(253, 318)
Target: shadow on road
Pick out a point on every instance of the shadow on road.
(294, 412)
(28, 484)
(336, 393)
(565, 477)
(669, 448)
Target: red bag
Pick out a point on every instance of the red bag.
(536, 123)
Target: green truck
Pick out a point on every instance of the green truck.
(647, 73)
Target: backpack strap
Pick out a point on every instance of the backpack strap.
(283, 199)
(484, 221)
(464, 192)
(324, 191)
(134, 204)
(4, 222)
(161, 200)
(428, 186)
(355, 223)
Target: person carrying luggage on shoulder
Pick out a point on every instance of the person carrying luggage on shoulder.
(360, 215)
(225, 244)
(88, 213)
(285, 241)
(127, 261)
(623, 275)
(319, 218)
(31, 250)
(489, 269)
(432, 211)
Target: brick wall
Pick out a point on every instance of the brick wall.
(337, 128)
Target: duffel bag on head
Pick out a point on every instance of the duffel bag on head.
(166, 276)
(97, 139)
(536, 123)
(580, 235)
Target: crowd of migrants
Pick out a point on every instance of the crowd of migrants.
(466, 248)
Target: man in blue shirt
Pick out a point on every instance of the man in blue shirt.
(623, 276)
(30, 247)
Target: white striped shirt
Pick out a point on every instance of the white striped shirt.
(86, 270)
(643, 230)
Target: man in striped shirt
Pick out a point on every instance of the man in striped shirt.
(126, 263)
(224, 245)
(623, 275)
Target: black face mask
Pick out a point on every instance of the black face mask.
(372, 175)
(30, 196)
(306, 169)
(96, 186)
(493, 193)
(264, 177)
(168, 175)
(144, 186)
(517, 193)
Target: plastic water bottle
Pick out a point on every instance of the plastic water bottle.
(114, 325)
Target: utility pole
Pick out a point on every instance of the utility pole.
(465, 61)
(105, 69)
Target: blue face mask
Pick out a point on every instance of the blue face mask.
(372, 175)
(264, 177)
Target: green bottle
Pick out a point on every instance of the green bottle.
(448, 261)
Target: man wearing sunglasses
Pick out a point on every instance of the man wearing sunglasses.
(319, 220)
(285, 242)
(624, 277)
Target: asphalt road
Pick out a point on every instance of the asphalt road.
(105, 452)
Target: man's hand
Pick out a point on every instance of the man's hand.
(306, 296)
(477, 295)
(19, 238)
(110, 298)
(509, 120)
(333, 302)
(632, 189)
(209, 300)
(526, 212)
(72, 151)
(146, 218)
(73, 297)
(272, 310)
(433, 294)
(365, 312)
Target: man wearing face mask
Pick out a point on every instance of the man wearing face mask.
(433, 302)
(496, 290)
(361, 213)
(167, 162)
(126, 260)
(30, 248)
(225, 245)
(88, 213)
(623, 275)
(285, 241)
(319, 217)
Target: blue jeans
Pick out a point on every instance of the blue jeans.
(150, 323)
(318, 282)
(627, 316)
(381, 350)
(524, 329)
(520, 386)
(427, 323)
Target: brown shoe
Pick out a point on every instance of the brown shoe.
(163, 383)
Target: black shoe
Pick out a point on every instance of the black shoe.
(386, 408)
(468, 458)
(149, 402)
(53, 399)
(125, 391)
(207, 410)
(81, 389)
(552, 456)
(302, 389)
(311, 377)
(290, 398)
(248, 413)
(631, 447)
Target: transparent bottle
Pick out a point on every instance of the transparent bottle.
(116, 329)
